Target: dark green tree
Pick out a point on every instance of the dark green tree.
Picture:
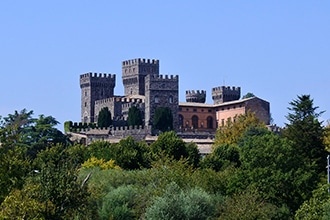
(104, 118)
(134, 116)
(170, 145)
(306, 131)
(248, 95)
(163, 119)
(129, 154)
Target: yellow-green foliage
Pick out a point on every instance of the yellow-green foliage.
(326, 137)
(232, 132)
(94, 162)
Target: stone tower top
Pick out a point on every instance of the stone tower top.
(223, 94)
(198, 96)
(134, 72)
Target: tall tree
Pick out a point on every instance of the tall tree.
(306, 131)
(104, 119)
(163, 119)
(134, 116)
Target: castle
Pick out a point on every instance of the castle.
(146, 89)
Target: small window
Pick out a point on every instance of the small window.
(85, 93)
(156, 99)
(187, 109)
(195, 110)
(85, 104)
(210, 110)
(170, 99)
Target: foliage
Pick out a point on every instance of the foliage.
(247, 204)
(270, 164)
(94, 162)
(104, 119)
(193, 154)
(134, 116)
(23, 204)
(119, 203)
(222, 157)
(59, 185)
(170, 145)
(316, 207)
(232, 132)
(248, 95)
(14, 167)
(178, 204)
(306, 131)
(163, 119)
(129, 154)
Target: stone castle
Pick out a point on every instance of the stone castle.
(146, 89)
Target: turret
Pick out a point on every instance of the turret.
(196, 96)
(223, 94)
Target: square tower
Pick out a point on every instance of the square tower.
(134, 73)
(94, 87)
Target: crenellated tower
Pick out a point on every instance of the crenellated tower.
(134, 72)
(198, 96)
(223, 94)
(161, 91)
(94, 87)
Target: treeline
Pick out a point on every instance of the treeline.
(251, 172)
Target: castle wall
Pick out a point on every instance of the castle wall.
(196, 96)
(161, 91)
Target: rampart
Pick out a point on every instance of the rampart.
(139, 61)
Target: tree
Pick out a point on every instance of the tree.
(306, 132)
(170, 145)
(163, 119)
(129, 154)
(104, 118)
(176, 203)
(232, 132)
(134, 116)
(248, 95)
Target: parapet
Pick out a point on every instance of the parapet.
(140, 61)
(164, 77)
(98, 75)
(226, 88)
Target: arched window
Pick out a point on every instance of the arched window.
(194, 121)
(209, 122)
(181, 121)
(156, 99)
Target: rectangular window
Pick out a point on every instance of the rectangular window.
(195, 110)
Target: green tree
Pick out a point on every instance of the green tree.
(248, 95)
(134, 116)
(221, 157)
(176, 203)
(129, 154)
(306, 132)
(104, 118)
(170, 145)
(163, 119)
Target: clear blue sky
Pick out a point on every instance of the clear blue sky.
(274, 49)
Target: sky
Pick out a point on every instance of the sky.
(276, 50)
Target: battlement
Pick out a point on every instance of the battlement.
(198, 96)
(97, 75)
(164, 77)
(226, 88)
(193, 92)
(139, 61)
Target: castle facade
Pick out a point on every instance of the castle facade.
(147, 89)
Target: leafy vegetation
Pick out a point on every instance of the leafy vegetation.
(104, 119)
(251, 172)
